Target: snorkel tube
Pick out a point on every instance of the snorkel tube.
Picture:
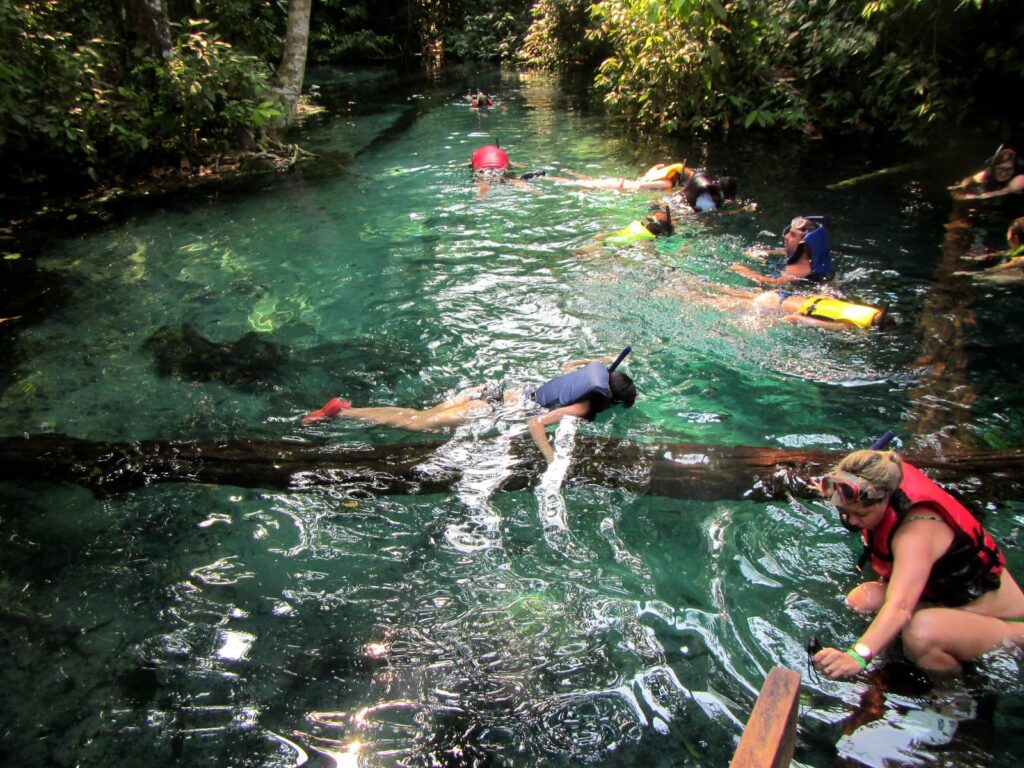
(618, 360)
(991, 162)
(883, 441)
(878, 445)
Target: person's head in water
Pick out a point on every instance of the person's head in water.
(1004, 166)
(793, 237)
(622, 388)
(659, 222)
(490, 157)
(1015, 234)
(883, 319)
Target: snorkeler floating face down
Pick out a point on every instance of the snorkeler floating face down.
(586, 389)
(490, 157)
(659, 222)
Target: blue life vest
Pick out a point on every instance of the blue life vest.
(817, 245)
(821, 258)
(587, 383)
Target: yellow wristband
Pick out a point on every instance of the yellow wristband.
(858, 658)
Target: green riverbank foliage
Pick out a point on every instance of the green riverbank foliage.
(84, 92)
(839, 66)
(96, 90)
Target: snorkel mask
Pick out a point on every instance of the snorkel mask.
(843, 488)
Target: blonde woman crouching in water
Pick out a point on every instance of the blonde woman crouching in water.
(942, 582)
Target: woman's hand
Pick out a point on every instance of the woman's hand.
(835, 664)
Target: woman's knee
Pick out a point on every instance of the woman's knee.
(867, 597)
(924, 632)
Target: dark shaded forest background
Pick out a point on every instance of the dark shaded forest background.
(92, 92)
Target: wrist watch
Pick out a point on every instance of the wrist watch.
(862, 650)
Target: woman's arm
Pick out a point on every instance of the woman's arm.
(538, 424)
(915, 547)
(1016, 185)
(747, 272)
(763, 253)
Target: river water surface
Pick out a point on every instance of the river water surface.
(200, 625)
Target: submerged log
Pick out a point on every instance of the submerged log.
(673, 470)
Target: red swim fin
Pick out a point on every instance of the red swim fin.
(331, 408)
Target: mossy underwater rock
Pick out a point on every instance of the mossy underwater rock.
(182, 351)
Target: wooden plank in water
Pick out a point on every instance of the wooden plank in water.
(770, 736)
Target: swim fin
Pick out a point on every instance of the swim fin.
(331, 408)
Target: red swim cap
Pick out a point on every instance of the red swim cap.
(489, 157)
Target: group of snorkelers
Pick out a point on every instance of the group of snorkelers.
(942, 586)
(587, 388)
(805, 257)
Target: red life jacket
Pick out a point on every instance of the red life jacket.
(973, 562)
(490, 157)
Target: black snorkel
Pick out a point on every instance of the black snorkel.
(618, 360)
(884, 440)
(878, 445)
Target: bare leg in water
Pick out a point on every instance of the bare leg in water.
(723, 297)
(463, 407)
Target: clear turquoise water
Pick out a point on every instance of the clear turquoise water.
(213, 625)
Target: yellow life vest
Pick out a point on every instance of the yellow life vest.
(662, 172)
(634, 233)
(824, 308)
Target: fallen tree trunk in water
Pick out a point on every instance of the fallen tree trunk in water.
(673, 470)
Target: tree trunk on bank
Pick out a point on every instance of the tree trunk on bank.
(673, 470)
(148, 22)
(292, 71)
